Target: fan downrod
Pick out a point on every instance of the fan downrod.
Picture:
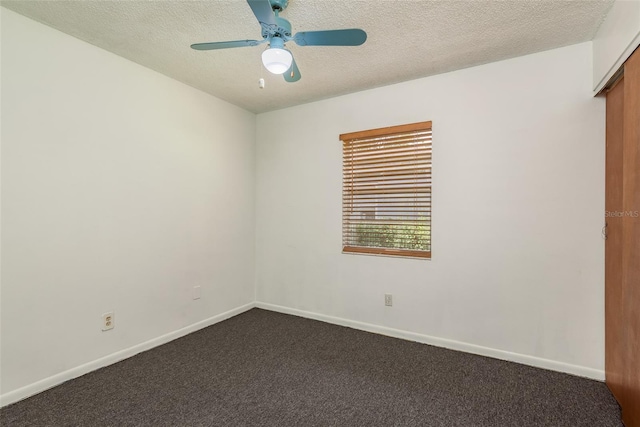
(279, 5)
(283, 27)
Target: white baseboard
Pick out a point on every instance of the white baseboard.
(47, 383)
(524, 359)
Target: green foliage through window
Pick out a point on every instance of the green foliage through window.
(404, 236)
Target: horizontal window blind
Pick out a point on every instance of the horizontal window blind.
(386, 191)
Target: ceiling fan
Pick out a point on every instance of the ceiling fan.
(277, 31)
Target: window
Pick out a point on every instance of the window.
(386, 191)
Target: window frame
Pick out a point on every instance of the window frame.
(348, 206)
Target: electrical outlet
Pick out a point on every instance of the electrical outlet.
(388, 300)
(108, 321)
(196, 292)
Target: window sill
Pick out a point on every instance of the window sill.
(390, 253)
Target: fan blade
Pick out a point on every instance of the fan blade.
(292, 74)
(225, 45)
(351, 37)
(263, 12)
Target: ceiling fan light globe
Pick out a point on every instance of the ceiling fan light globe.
(277, 60)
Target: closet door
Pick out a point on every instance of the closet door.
(622, 247)
(614, 323)
(631, 240)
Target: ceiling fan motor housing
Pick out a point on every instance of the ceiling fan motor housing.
(282, 29)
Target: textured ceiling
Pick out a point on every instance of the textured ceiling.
(407, 39)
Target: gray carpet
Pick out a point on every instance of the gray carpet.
(268, 369)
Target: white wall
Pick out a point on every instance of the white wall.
(122, 189)
(518, 200)
(616, 39)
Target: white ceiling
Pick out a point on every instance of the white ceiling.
(407, 39)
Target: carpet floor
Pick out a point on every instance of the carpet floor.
(268, 369)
